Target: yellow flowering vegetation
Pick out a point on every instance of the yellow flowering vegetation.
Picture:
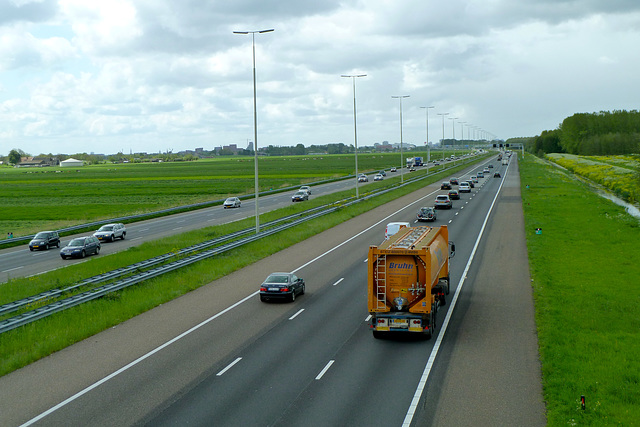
(619, 174)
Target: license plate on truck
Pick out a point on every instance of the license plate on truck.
(399, 323)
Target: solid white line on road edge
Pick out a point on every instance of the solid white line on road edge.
(135, 362)
(229, 366)
(177, 228)
(325, 369)
(137, 238)
(144, 229)
(434, 352)
(294, 316)
(183, 220)
(338, 281)
(11, 269)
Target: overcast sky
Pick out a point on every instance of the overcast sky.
(156, 75)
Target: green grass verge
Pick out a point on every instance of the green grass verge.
(29, 343)
(619, 174)
(585, 267)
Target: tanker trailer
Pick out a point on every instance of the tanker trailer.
(408, 279)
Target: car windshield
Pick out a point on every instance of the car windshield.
(41, 236)
(106, 228)
(76, 242)
(277, 278)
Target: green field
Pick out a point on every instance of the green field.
(33, 199)
(585, 267)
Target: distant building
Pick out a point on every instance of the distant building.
(71, 162)
(38, 162)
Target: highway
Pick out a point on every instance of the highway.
(218, 356)
(20, 262)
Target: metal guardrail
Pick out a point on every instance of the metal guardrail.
(98, 292)
(74, 300)
(142, 265)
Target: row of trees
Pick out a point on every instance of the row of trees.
(591, 134)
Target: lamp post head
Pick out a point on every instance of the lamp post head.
(254, 32)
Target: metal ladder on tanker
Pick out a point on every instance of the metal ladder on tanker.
(381, 282)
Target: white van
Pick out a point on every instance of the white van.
(394, 227)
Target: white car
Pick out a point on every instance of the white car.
(378, 177)
(464, 187)
(305, 188)
(231, 202)
(363, 178)
(394, 227)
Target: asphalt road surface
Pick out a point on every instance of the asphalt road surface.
(218, 356)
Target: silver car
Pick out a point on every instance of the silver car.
(111, 232)
(231, 202)
(443, 202)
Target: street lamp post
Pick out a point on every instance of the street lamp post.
(453, 128)
(355, 128)
(443, 114)
(462, 133)
(255, 118)
(428, 145)
(401, 155)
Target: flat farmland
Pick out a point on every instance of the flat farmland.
(33, 199)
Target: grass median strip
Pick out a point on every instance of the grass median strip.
(585, 265)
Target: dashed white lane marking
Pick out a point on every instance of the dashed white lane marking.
(325, 369)
(294, 316)
(229, 366)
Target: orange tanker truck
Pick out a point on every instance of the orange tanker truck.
(408, 278)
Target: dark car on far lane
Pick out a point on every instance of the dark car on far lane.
(44, 240)
(281, 286)
(81, 247)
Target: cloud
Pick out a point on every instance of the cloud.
(158, 73)
(14, 11)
